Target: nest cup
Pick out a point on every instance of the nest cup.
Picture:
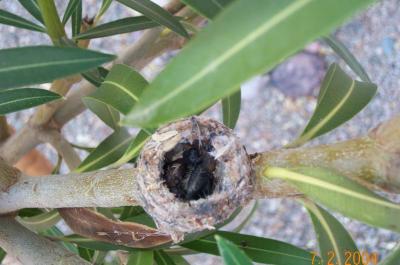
(232, 183)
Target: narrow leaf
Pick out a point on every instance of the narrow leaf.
(72, 7)
(259, 249)
(12, 100)
(156, 13)
(121, 89)
(393, 257)
(342, 194)
(135, 146)
(19, 22)
(339, 100)
(131, 211)
(347, 56)
(162, 258)
(211, 67)
(76, 19)
(230, 253)
(2, 254)
(42, 221)
(333, 239)
(85, 253)
(96, 76)
(32, 7)
(120, 26)
(104, 7)
(207, 8)
(141, 257)
(231, 109)
(179, 260)
(107, 152)
(41, 64)
(105, 112)
(55, 232)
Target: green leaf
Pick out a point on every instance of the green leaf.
(135, 146)
(207, 8)
(131, 211)
(211, 67)
(104, 7)
(105, 112)
(162, 258)
(259, 249)
(76, 19)
(96, 76)
(107, 152)
(19, 22)
(341, 194)
(32, 7)
(120, 26)
(339, 100)
(347, 56)
(41, 64)
(141, 257)
(85, 253)
(72, 7)
(99, 257)
(55, 232)
(121, 89)
(156, 13)
(393, 258)
(28, 212)
(179, 260)
(12, 100)
(333, 239)
(230, 253)
(242, 224)
(42, 221)
(2, 254)
(231, 109)
(143, 219)
(84, 148)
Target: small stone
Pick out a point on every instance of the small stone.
(300, 75)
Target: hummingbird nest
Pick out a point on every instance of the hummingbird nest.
(193, 174)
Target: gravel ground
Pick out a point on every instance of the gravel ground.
(275, 108)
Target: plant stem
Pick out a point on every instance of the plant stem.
(106, 188)
(373, 160)
(8, 176)
(62, 146)
(30, 248)
(52, 21)
(4, 130)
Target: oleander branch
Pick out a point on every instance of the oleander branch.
(106, 188)
(30, 248)
(372, 160)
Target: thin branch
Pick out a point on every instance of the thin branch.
(107, 188)
(45, 112)
(62, 146)
(373, 160)
(4, 130)
(8, 176)
(19, 144)
(30, 248)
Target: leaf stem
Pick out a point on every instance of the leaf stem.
(52, 21)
